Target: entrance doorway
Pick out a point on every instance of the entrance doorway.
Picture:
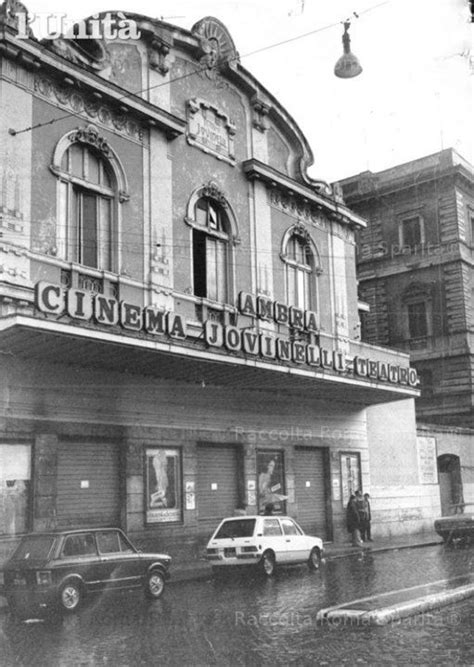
(450, 484)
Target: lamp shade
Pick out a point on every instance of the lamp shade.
(348, 65)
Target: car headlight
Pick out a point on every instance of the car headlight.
(44, 578)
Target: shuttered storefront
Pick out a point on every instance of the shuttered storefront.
(88, 487)
(217, 484)
(310, 491)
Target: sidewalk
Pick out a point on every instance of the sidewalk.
(200, 569)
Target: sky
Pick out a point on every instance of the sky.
(413, 98)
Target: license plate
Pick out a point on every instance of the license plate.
(230, 551)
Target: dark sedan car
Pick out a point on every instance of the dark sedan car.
(57, 570)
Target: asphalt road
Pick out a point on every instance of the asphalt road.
(243, 620)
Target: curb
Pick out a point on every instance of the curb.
(398, 547)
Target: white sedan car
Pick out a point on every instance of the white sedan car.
(265, 541)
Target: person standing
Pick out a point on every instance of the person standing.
(353, 521)
(365, 522)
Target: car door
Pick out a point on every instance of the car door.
(273, 538)
(120, 563)
(79, 556)
(296, 542)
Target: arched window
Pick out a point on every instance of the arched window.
(91, 184)
(300, 270)
(211, 251)
(214, 233)
(86, 199)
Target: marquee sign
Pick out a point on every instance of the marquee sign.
(83, 305)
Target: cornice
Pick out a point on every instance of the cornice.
(254, 169)
(396, 185)
(34, 56)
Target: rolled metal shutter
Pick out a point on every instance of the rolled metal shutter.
(88, 485)
(310, 491)
(217, 484)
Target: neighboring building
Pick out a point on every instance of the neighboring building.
(178, 302)
(415, 266)
(455, 455)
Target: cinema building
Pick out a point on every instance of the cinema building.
(179, 325)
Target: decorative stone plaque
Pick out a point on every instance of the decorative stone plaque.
(210, 130)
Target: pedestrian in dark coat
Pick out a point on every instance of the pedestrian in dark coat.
(367, 516)
(353, 521)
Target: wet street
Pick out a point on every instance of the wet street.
(253, 621)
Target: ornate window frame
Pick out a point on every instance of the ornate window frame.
(212, 192)
(89, 136)
(300, 231)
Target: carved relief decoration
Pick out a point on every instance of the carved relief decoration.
(88, 106)
(216, 48)
(213, 191)
(303, 210)
(10, 195)
(260, 114)
(306, 212)
(157, 56)
(90, 135)
(210, 130)
(8, 13)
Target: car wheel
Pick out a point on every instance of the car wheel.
(154, 584)
(267, 563)
(314, 560)
(70, 596)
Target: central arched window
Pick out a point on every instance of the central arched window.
(300, 269)
(86, 208)
(211, 251)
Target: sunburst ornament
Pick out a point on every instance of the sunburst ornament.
(217, 48)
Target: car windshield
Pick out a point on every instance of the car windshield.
(34, 547)
(236, 528)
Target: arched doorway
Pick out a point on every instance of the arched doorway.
(450, 484)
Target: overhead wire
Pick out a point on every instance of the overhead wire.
(202, 69)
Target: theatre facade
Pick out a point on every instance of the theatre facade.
(179, 326)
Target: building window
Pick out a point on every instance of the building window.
(163, 484)
(300, 270)
(87, 191)
(417, 319)
(211, 251)
(411, 232)
(417, 309)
